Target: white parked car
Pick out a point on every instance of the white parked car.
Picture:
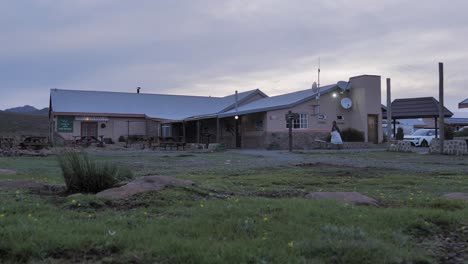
(421, 137)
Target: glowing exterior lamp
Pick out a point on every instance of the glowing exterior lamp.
(236, 117)
(334, 95)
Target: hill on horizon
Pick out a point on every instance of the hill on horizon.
(30, 110)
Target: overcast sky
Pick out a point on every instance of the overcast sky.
(215, 47)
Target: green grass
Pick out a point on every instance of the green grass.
(262, 219)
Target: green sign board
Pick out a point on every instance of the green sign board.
(65, 124)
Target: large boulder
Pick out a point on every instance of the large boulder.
(141, 185)
(347, 197)
(460, 196)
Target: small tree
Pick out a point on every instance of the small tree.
(400, 134)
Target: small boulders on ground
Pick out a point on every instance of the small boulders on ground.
(7, 172)
(141, 185)
(460, 196)
(347, 197)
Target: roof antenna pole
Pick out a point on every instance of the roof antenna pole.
(236, 101)
(318, 73)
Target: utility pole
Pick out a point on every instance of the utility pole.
(389, 112)
(441, 107)
(290, 122)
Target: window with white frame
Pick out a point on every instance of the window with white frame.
(300, 123)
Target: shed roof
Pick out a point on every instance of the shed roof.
(456, 121)
(163, 106)
(421, 107)
(463, 104)
(278, 102)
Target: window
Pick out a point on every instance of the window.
(166, 130)
(300, 123)
(339, 118)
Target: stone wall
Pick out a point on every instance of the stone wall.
(451, 147)
(301, 140)
(400, 146)
(152, 128)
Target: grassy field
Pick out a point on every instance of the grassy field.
(245, 208)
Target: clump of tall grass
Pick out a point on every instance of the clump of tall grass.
(83, 174)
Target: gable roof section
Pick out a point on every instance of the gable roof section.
(456, 121)
(169, 107)
(463, 104)
(278, 102)
(422, 107)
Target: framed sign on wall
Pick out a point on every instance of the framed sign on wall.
(65, 124)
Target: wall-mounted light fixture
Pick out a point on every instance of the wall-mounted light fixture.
(236, 117)
(334, 95)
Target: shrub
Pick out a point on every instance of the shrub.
(82, 174)
(400, 134)
(352, 135)
(122, 139)
(448, 132)
(273, 146)
(463, 133)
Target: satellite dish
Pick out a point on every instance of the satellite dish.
(348, 87)
(314, 87)
(346, 103)
(344, 86)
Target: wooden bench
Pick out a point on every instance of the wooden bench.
(34, 142)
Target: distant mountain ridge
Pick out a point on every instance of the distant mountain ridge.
(29, 110)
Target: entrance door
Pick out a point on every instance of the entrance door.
(373, 129)
(89, 130)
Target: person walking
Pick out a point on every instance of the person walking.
(335, 136)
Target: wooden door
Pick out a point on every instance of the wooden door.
(373, 129)
(89, 130)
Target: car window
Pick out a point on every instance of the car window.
(420, 132)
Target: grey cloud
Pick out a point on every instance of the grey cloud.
(213, 47)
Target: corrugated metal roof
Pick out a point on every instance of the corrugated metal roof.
(455, 121)
(171, 107)
(422, 107)
(277, 102)
(463, 104)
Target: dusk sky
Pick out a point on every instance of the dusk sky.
(217, 47)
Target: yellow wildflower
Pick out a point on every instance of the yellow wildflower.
(29, 215)
(202, 205)
(265, 219)
(2, 215)
(290, 244)
(73, 201)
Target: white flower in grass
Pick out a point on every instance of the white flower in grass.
(111, 232)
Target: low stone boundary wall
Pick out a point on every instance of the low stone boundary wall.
(400, 146)
(451, 147)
